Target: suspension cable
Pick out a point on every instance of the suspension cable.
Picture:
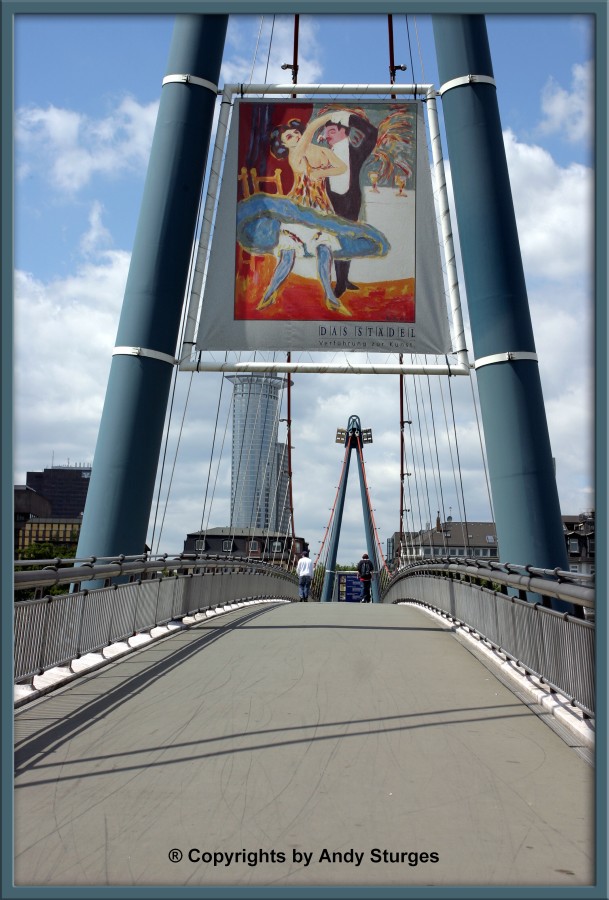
(452, 462)
(332, 511)
(268, 59)
(213, 445)
(416, 395)
(165, 446)
(381, 557)
(416, 31)
(482, 453)
(414, 459)
(213, 493)
(175, 459)
(409, 47)
(256, 49)
(458, 462)
(433, 470)
(435, 437)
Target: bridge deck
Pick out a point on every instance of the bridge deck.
(290, 730)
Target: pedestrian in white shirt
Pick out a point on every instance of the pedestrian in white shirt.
(304, 570)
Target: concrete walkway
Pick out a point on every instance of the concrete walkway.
(301, 744)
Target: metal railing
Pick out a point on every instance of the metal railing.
(557, 647)
(143, 593)
(52, 631)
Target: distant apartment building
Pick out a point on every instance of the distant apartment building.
(279, 548)
(449, 538)
(63, 532)
(479, 540)
(579, 534)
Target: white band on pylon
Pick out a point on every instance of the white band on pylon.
(141, 351)
(504, 357)
(191, 79)
(466, 79)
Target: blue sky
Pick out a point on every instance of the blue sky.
(86, 91)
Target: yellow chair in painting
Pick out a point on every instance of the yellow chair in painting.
(257, 180)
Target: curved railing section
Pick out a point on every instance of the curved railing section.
(556, 647)
(139, 594)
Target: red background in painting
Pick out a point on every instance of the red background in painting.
(302, 299)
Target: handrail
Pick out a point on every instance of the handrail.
(54, 631)
(184, 563)
(554, 583)
(494, 602)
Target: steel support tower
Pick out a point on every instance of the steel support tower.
(354, 438)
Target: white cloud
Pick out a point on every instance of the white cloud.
(569, 113)
(67, 148)
(63, 333)
(554, 211)
(97, 235)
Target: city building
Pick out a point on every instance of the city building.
(278, 548)
(390, 551)
(449, 538)
(29, 505)
(50, 505)
(64, 532)
(579, 536)
(259, 477)
(65, 487)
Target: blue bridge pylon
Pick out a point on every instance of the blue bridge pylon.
(354, 438)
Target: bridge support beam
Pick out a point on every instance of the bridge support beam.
(128, 446)
(525, 496)
(327, 590)
(368, 529)
(353, 439)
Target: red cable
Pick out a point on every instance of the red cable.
(347, 451)
(361, 455)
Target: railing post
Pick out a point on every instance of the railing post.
(83, 596)
(45, 628)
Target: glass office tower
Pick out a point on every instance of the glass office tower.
(256, 475)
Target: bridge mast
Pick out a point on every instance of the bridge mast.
(354, 437)
(525, 495)
(128, 446)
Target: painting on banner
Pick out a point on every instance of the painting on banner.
(329, 212)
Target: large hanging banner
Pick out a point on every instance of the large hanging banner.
(325, 235)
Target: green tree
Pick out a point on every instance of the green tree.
(42, 551)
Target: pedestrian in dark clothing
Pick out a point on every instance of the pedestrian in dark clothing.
(365, 571)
